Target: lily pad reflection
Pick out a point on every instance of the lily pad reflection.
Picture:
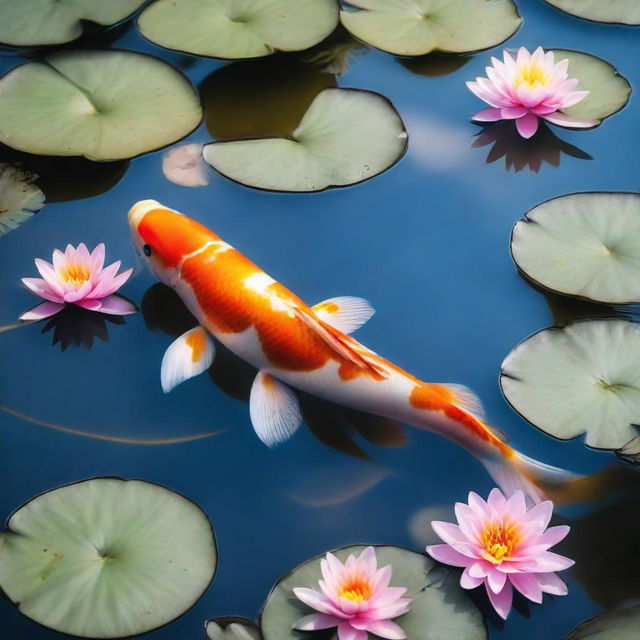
(231, 629)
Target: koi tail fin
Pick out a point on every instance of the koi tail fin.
(522, 473)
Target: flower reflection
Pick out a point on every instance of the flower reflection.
(521, 153)
(79, 327)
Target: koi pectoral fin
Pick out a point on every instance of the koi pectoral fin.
(189, 355)
(274, 410)
(345, 313)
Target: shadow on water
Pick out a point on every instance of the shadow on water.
(267, 96)
(67, 178)
(604, 542)
(334, 426)
(520, 153)
(434, 65)
(79, 327)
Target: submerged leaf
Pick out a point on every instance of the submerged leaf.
(584, 244)
(440, 608)
(421, 26)
(616, 625)
(147, 552)
(231, 629)
(616, 11)
(43, 22)
(583, 378)
(104, 105)
(345, 137)
(238, 29)
(20, 199)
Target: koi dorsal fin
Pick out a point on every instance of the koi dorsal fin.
(345, 313)
(342, 344)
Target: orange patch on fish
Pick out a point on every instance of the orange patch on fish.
(329, 307)
(197, 341)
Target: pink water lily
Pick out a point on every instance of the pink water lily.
(501, 544)
(356, 598)
(530, 87)
(78, 277)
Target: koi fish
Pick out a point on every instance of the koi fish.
(297, 346)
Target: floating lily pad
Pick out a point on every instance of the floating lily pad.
(261, 97)
(583, 378)
(345, 137)
(20, 199)
(616, 625)
(421, 26)
(440, 609)
(104, 105)
(44, 22)
(584, 244)
(238, 29)
(232, 629)
(107, 557)
(608, 90)
(616, 11)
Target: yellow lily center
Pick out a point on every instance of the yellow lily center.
(356, 589)
(530, 74)
(75, 274)
(499, 539)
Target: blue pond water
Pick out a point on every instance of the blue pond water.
(428, 244)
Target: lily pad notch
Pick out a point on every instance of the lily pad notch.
(238, 30)
(345, 137)
(419, 27)
(623, 12)
(581, 378)
(440, 608)
(50, 22)
(148, 552)
(101, 104)
(585, 245)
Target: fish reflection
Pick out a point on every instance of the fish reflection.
(333, 425)
(520, 153)
(604, 542)
(79, 327)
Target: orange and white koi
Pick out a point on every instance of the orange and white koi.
(303, 347)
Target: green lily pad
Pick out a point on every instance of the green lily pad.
(232, 629)
(616, 625)
(615, 11)
(268, 96)
(608, 90)
(346, 136)
(20, 199)
(440, 609)
(107, 557)
(583, 244)
(418, 27)
(583, 378)
(240, 28)
(104, 105)
(44, 22)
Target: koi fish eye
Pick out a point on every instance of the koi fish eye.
(147, 250)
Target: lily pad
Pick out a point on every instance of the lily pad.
(231, 629)
(261, 97)
(346, 136)
(44, 22)
(20, 199)
(440, 609)
(418, 27)
(616, 625)
(107, 557)
(104, 105)
(583, 378)
(584, 244)
(608, 90)
(615, 11)
(236, 29)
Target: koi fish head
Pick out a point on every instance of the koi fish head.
(164, 237)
